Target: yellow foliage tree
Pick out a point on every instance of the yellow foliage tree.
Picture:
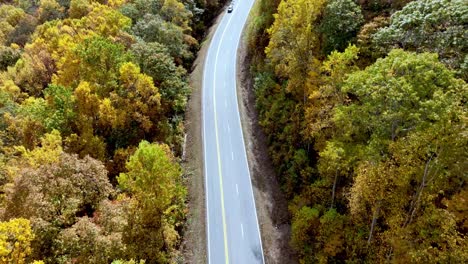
(294, 46)
(15, 240)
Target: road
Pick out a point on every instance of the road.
(233, 234)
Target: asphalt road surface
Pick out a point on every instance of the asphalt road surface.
(233, 233)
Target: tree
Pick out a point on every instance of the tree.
(321, 103)
(54, 194)
(79, 8)
(8, 57)
(49, 10)
(176, 13)
(402, 143)
(154, 182)
(429, 26)
(15, 240)
(10, 17)
(154, 60)
(137, 99)
(401, 93)
(152, 28)
(340, 24)
(87, 242)
(303, 228)
(294, 46)
(22, 31)
(106, 21)
(61, 108)
(99, 60)
(369, 52)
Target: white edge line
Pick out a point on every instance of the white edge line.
(204, 153)
(242, 133)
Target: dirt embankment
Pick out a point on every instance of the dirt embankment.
(272, 207)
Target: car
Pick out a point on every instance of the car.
(230, 8)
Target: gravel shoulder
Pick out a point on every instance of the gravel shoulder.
(272, 206)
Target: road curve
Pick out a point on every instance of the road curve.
(233, 234)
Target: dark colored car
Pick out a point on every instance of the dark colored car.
(230, 8)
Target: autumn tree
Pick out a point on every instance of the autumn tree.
(370, 159)
(395, 106)
(15, 240)
(10, 17)
(153, 181)
(49, 10)
(294, 46)
(81, 84)
(322, 102)
(53, 194)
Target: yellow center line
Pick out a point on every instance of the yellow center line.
(220, 173)
(223, 212)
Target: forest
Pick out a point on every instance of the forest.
(92, 101)
(364, 105)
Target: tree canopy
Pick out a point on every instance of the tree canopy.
(82, 84)
(364, 108)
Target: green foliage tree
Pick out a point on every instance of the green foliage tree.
(8, 57)
(154, 182)
(404, 102)
(61, 111)
(340, 24)
(99, 63)
(430, 26)
(401, 93)
(305, 222)
(152, 28)
(155, 61)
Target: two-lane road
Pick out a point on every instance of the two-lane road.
(233, 233)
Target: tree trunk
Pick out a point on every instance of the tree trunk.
(333, 189)
(417, 198)
(374, 221)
